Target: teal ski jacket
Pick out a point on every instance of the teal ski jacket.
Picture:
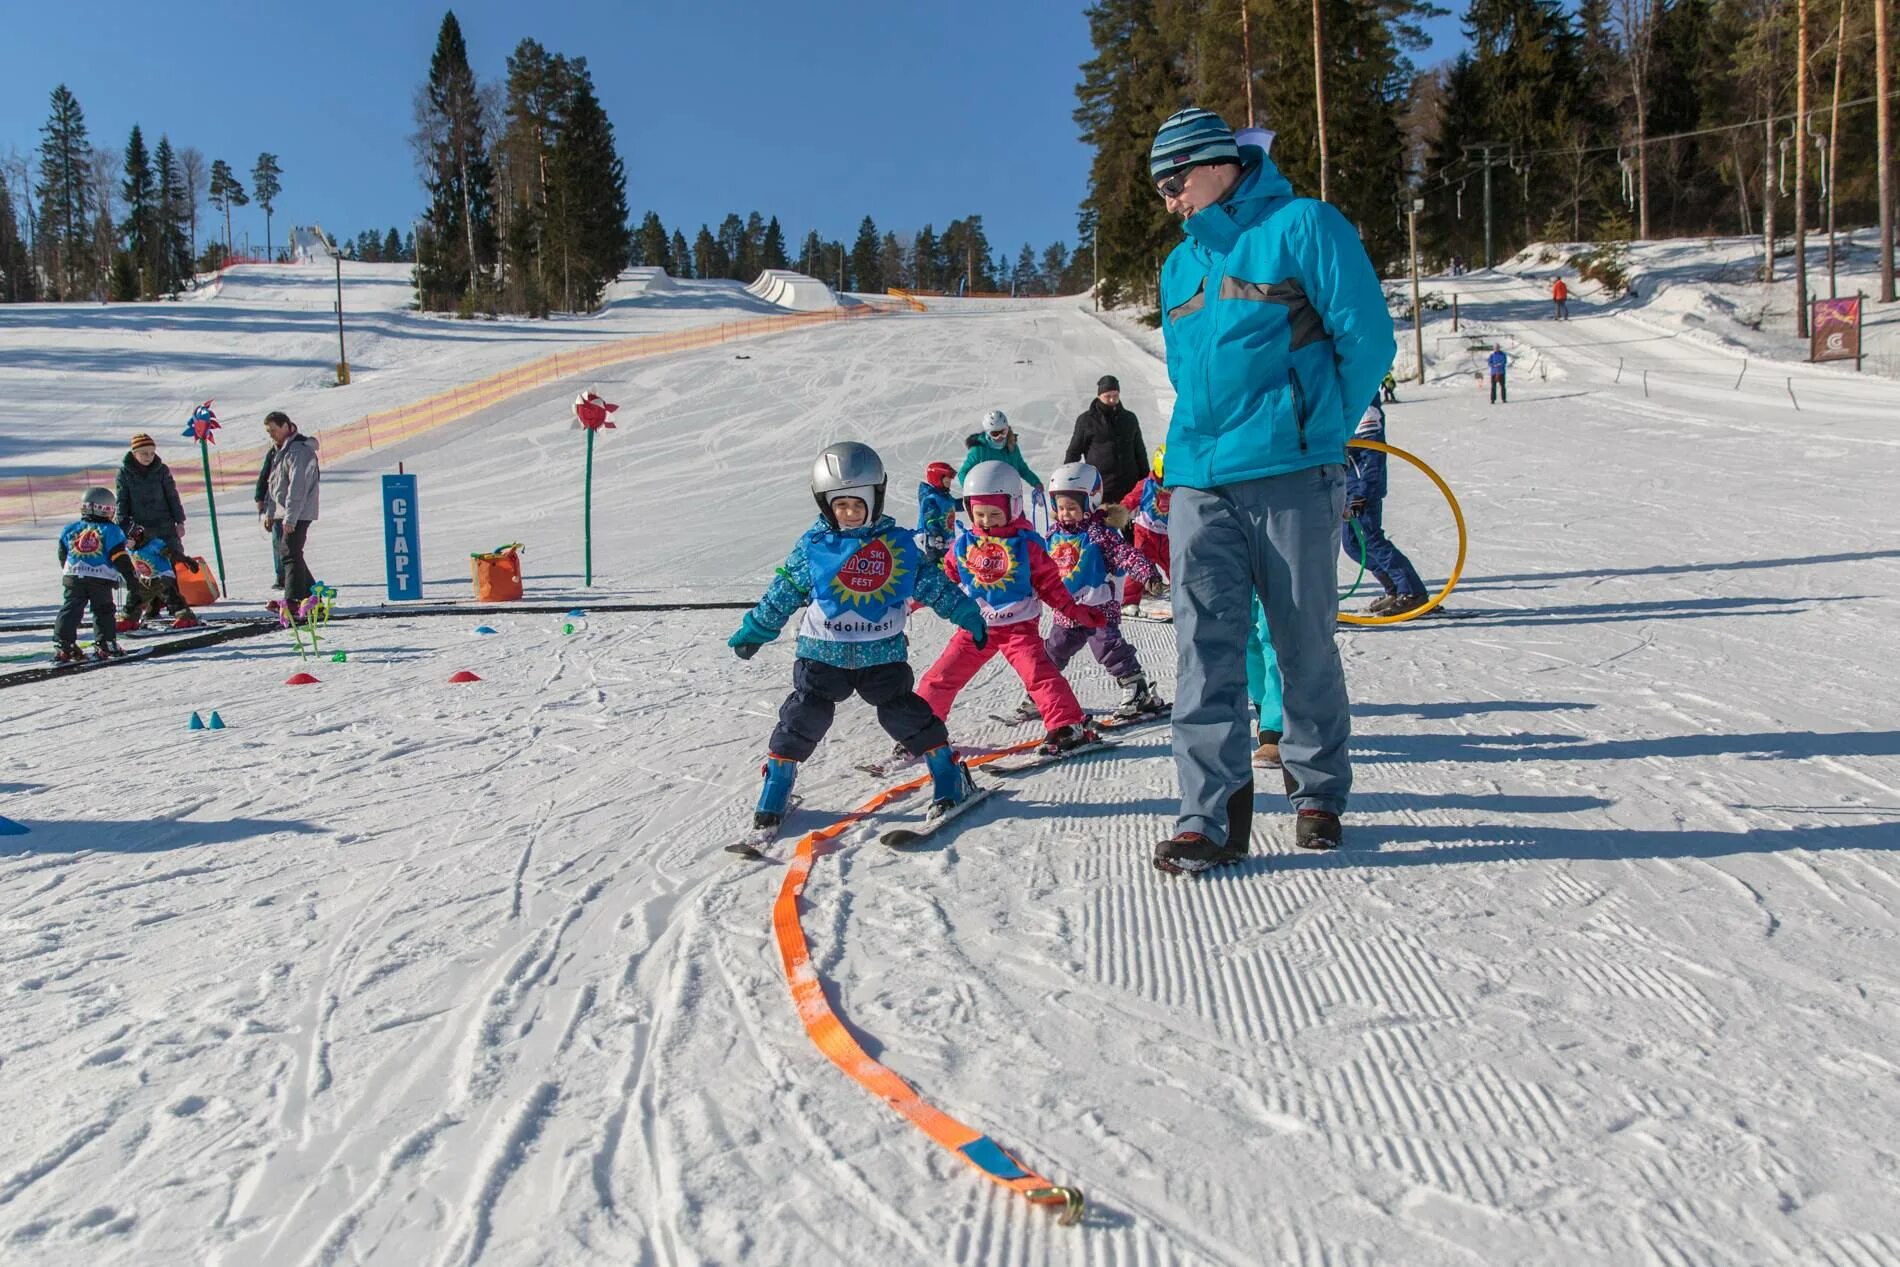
(1277, 333)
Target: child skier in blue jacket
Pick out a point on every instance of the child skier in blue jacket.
(1365, 506)
(854, 573)
(93, 559)
(936, 510)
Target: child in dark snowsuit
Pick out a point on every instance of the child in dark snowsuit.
(936, 511)
(1365, 499)
(157, 587)
(1088, 549)
(93, 558)
(854, 573)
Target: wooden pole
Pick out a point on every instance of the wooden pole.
(1246, 60)
(1884, 161)
(1418, 324)
(1833, 145)
(1801, 169)
(1319, 97)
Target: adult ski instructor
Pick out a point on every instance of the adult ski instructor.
(1277, 335)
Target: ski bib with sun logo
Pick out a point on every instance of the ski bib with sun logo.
(1152, 513)
(1083, 566)
(149, 561)
(89, 548)
(995, 572)
(860, 586)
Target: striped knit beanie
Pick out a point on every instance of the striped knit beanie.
(1189, 138)
(140, 441)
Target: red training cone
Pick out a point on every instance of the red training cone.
(301, 679)
(463, 675)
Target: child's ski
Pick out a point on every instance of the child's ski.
(1008, 767)
(1114, 721)
(752, 841)
(898, 837)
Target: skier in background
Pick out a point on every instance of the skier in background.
(853, 572)
(1149, 501)
(1560, 297)
(1497, 362)
(936, 511)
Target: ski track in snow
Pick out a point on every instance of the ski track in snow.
(395, 971)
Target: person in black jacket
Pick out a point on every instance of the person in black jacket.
(148, 496)
(1108, 438)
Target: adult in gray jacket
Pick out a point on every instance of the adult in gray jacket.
(294, 477)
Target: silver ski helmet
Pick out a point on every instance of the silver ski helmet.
(994, 479)
(1078, 479)
(848, 469)
(99, 503)
(996, 428)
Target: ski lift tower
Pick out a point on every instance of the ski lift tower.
(1488, 152)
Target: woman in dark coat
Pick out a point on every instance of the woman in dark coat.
(1108, 438)
(148, 496)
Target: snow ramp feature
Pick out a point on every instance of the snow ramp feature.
(638, 283)
(796, 291)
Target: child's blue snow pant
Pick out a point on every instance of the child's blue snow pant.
(1263, 671)
(1383, 559)
(818, 689)
(1271, 536)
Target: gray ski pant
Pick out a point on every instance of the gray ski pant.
(1275, 537)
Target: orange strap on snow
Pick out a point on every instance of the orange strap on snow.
(833, 1039)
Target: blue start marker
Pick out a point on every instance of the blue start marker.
(10, 828)
(402, 538)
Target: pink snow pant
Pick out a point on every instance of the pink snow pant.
(1019, 643)
(1154, 547)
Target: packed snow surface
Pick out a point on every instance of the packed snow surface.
(394, 971)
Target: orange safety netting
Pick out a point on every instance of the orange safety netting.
(835, 1041)
(33, 497)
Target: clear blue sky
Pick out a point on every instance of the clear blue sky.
(817, 111)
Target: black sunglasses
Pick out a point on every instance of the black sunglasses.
(1170, 186)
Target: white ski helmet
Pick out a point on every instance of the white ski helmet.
(1078, 478)
(995, 478)
(996, 428)
(848, 469)
(99, 502)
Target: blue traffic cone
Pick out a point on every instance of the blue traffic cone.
(217, 722)
(197, 722)
(483, 629)
(10, 828)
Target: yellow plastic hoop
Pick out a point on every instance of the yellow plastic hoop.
(1457, 514)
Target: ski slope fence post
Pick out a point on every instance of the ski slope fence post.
(1797, 404)
(1738, 377)
(1619, 371)
(1454, 312)
(1645, 384)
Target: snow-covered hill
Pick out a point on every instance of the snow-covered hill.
(394, 971)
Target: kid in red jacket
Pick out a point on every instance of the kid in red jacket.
(1149, 500)
(1001, 563)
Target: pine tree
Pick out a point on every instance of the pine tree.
(709, 260)
(926, 261)
(680, 257)
(17, 282)
(172, 219)
(191, 174)
(810, 255)
(450, 140)
(1128, 88)
(772, 248)
(141, 224)
(652, 243)
(65, 199)
(1055, 263)
(731, 237)
(392, 246)
(265, 186)
(752, 249)
(226, 192)
(890, 261)
(538, 86)
(588, 198)
(866, 269)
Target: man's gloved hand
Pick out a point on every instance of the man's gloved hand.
(1154, 586)
(1355, 508)
(751, 636)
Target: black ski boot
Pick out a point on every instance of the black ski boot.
(1064, 738)
(1189, 853)
(1318, 829)
(68, 653)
